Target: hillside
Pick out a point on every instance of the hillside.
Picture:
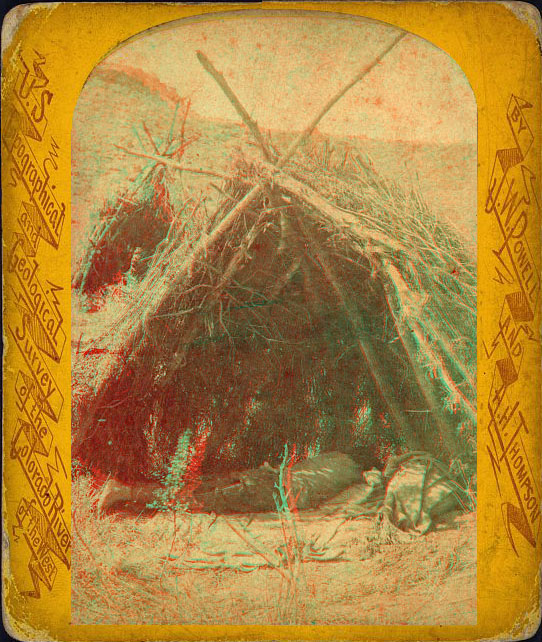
(116, 101)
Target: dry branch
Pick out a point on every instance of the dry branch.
(434, 405)
(333, 214)
(249, 122)
(396, 280)
(334, 99)
(161, 160)
(151, 139)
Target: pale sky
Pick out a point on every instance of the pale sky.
(285, 68)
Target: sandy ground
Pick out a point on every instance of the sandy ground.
(165, 568)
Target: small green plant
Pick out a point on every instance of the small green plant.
(169, 497)
(292, 549)
(467, 482)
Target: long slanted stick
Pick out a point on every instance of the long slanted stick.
(151, 139)
(258, 188)
(365, 347)
(445, 430)
(410, 334)
(249, 122)
(314, 123)
(253, 126)
(330, 212)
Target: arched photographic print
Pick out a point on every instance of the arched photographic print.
(274, 327)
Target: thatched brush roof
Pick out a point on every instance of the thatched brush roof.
(294, 320)
(320, 306)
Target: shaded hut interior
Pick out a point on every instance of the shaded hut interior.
(285, 332)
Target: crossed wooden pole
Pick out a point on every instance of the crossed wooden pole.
(277, 163)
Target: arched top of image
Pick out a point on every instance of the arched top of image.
(270, 272)
(414, 113)
(286, 63)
